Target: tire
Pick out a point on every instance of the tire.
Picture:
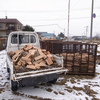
(14, 88)
(8, 70)
(14, 85)
(53, 81)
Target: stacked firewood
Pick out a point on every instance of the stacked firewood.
(78, 59)
(31, 57)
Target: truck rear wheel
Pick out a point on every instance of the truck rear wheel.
(8, 69)
(14, 88)
(14, 85)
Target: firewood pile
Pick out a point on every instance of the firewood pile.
(30, 57)
(74, 60)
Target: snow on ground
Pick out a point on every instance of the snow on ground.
(98, 49)
(67, 87)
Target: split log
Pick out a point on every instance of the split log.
(16, 67)
(27, 47)
(32, 52)
(39, 57)
(33, 66)
(49, 61)
(11, 53)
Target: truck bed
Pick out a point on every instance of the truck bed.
(58, 64)
(20, 74)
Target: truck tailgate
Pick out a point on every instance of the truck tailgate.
(19, 76)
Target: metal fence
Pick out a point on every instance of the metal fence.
(79, 58)
(3, 42)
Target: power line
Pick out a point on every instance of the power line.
(43, 11)
(84, 9)
(59, 19)
(32, 11)
(76, 3)
(48, 25)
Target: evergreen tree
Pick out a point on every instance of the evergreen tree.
(28, 28)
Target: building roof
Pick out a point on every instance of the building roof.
(41, 32)
(47, 34)
(78, 36)
(3, 20)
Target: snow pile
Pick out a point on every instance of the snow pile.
(3, 71)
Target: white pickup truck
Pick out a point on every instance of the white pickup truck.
(18, 39)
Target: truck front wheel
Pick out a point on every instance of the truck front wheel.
(8, 70)
(14, 85)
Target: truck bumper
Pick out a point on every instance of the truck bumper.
(29, 81)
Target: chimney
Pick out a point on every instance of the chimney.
(5, 17)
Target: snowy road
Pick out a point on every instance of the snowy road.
(67, 87)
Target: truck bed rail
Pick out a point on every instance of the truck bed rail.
(18, 76)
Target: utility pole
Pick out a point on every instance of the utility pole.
(64, 31)
(86, 30)
(91, 29)
(6, 14)
(68, 19)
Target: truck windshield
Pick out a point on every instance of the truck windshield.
(14, 39)
(22, 39)
(32, 39)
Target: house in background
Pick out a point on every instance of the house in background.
(45, 35)
(8, 25)
(79, 37)
(40, 33)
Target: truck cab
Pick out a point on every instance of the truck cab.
(16, 40)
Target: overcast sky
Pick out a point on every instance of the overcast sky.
(52, 15)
